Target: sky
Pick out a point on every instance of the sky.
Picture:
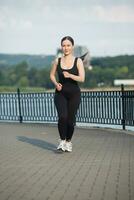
(105, 27)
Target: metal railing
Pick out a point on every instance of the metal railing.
(101, 107)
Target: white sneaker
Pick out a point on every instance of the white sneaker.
(61, 145)
(68, 146)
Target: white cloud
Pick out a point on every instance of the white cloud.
(11, 20)
(90, 13)
(3, 20)
(111, 47)
(121, 13)
(20, 24)
(40, 24)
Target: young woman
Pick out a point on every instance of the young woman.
(70, 70)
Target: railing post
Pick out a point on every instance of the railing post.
(20, 116)
(123, 107)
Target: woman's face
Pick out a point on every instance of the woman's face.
(67, 47)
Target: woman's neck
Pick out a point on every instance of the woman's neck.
(68, 57)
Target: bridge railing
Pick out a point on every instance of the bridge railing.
(101, 107)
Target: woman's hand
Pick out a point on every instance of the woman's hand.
(59, 86)
(66, 74)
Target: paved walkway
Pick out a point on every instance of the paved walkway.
(101, 166)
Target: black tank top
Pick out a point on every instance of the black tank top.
(73, 70)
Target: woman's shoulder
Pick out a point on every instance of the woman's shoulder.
(57, 59)
(79, 60)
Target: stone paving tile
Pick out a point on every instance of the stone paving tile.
(101, 166)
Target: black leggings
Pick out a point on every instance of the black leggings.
(67, 105)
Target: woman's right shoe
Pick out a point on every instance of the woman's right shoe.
(61, 145)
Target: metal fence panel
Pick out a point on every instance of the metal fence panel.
(102, 107)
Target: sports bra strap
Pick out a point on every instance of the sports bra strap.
(59, 59)
(75, 62)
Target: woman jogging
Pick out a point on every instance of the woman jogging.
(67, 98)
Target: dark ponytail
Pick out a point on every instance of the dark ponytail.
(83, 56)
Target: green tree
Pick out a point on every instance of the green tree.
(2, 78)
(21, 69)
(23, 82)
(122, 72)
(33, 76)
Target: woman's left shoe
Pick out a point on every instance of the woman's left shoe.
(68, 146)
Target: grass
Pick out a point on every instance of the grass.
(26, 89)
(6, 89)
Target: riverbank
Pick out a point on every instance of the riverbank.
(41, 89)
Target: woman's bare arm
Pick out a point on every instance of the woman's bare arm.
(53, 72)
(53, 75)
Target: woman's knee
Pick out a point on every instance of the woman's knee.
(71, 122)
(63, 119)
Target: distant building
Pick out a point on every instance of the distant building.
(124, 82)
(79, 51)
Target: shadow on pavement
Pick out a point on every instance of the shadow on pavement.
(36, 142)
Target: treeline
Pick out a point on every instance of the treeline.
(114, 62)
(35, 61)
(107, 69)
(21, 75)
(104, 72)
